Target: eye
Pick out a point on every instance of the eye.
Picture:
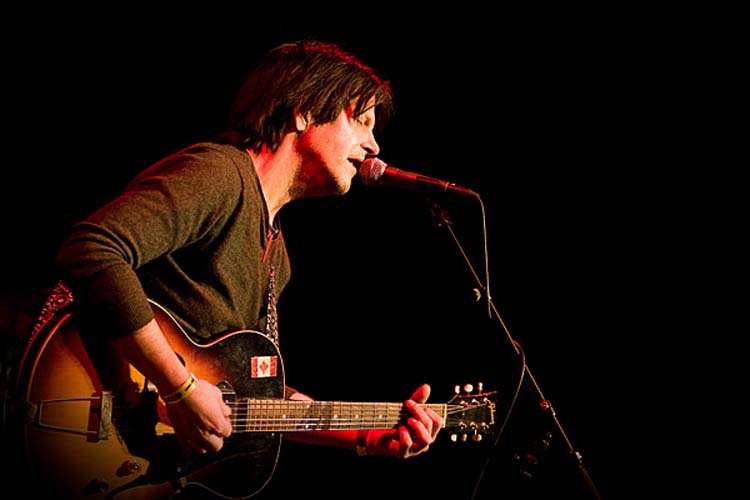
(365, 120)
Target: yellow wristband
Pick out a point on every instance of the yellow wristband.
(360, 445)
(182, 392)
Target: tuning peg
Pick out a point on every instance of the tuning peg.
(479, 434)
(469, 388)
(455, 437)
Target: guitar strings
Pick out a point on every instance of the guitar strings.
(270, 415)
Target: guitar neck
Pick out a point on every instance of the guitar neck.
(299, 416)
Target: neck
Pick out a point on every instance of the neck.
(274, 181)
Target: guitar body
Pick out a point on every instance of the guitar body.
(98, 431)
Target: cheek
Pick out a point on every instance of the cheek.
(318, 146)
(336, 140)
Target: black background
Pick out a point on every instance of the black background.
(561, 123)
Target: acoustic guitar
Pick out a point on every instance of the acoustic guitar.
(97, 430)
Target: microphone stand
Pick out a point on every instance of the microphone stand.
(443, 220)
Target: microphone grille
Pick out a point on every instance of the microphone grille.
(371, 170)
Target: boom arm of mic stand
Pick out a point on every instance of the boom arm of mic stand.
(444, 221)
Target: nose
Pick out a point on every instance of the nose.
(370, 144)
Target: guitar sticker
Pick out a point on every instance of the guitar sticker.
(263, 366)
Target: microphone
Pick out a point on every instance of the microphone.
(375, 172)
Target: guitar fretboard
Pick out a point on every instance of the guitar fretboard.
(290, 416)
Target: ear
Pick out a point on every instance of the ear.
(300, 121)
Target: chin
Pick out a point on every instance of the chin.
(333, 188)
(344, 186)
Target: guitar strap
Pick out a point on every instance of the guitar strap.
(272, 321)
(57, 299)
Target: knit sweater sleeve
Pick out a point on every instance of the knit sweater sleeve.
(170, 205)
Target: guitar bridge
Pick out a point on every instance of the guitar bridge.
(51, 413)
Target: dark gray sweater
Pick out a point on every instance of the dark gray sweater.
(190, 233)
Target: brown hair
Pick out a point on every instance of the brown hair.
(317, 78)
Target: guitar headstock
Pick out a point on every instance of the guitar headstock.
(471, 414)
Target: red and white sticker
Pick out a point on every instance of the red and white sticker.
(263, 366)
